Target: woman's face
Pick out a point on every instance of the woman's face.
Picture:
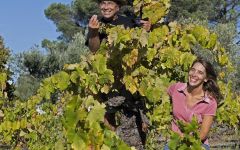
(197, 75)
(108, 9)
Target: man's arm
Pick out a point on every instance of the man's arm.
(93, 41)
(93, 35)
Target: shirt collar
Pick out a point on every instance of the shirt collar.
(184, 86)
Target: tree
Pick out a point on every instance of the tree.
(5, 87)
(35, 65)
(216, 11)
(71, 19)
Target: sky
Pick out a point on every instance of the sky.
(23, 23)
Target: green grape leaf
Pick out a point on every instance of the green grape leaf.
(96, 114)
(61, 79)
(212, 41)
(59, 145)
(91, 81)
(170, 57)
(81, 73)
(201, 34)
(106, 77)
(151, 53)
(78, 144)
(153, 94)
(16, 125)
(74, 76)
(23, 123)
(158, 35)
(186, 41)
(105, 147)
(174, 142)
(81, 114)
(143, 86)
(99, 63)
(186, 60)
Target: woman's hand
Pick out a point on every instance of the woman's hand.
(206, 125)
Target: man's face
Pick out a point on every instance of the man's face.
(108, 9)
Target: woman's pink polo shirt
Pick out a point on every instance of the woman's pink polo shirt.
(207, 106)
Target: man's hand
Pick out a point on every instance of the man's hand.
(93, 23)
(93, 37)
(146, 24)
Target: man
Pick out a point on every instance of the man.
(109, 11)
(132, 121)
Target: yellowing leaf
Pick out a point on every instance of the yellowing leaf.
(223, 59)
(70, 66)
(154, 11)
(143, 39)
(130, 83)
(105, 89)
(222, 75)
(22, 133)
(131, 58)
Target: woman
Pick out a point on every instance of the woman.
(198, 97)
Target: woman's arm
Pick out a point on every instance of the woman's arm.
(206, 125)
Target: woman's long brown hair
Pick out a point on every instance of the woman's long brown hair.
(211, 85)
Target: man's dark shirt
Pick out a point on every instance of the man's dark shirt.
(121, 20)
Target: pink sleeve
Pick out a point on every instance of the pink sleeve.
(211, 109)
(171, 89)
